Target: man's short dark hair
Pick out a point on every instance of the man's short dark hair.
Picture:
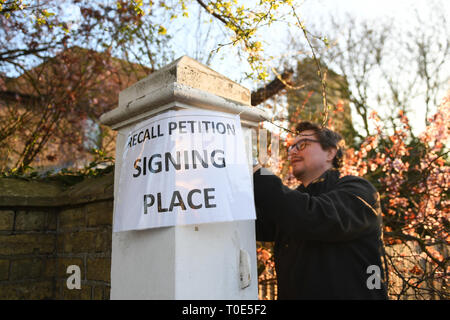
(327, 139)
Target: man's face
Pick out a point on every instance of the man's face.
(311, 160)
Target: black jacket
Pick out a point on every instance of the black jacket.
(326, 235)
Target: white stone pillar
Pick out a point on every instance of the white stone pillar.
(183, 262)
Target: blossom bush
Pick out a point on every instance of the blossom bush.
(412, 175)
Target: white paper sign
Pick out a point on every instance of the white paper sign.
(184, 167)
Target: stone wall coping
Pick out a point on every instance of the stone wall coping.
(22, 193)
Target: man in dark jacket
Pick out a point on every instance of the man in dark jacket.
(327, 232)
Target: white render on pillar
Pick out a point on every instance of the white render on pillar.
(183, 262)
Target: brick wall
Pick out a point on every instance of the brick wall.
(27, 253)
(44, 228)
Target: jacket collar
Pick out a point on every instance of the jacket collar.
(322, 184)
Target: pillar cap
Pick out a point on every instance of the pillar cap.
(184, 82)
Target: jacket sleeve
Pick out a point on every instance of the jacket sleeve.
(349, 211)
(265, 226)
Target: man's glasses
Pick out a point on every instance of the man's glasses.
(301, 144)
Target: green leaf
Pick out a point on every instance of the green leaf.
(162, 30)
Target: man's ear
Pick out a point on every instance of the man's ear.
(331, 153)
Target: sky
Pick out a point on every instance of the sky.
(312, 12)
(401, 12)
(198, 40)
(367, 8)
